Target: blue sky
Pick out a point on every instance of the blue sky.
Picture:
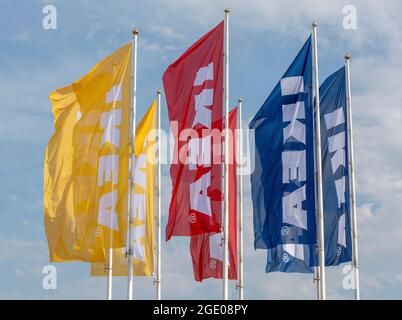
(265, 37)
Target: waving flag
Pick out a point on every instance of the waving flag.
(283, 180)
(142, 201)
(193, 87)
(338, 245)
(86, 178)
(207, 249)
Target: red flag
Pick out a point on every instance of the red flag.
(193, 87)
(207, 249)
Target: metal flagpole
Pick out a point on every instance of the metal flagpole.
(109, 273)
(132, 159)
(226, 194)
(240, 166)
(158, 221)
(316, 278)
(355, 261)
(321, 250)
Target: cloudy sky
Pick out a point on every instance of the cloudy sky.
(265, 37)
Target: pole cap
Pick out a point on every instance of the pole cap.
(136, 31)
(347, 56)
(240, 100)
(314, 24)
(158, 91)
(226, 10)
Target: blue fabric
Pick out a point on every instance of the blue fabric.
(338, 244)
(273, 183)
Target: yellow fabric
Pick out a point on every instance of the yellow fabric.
(143, 192)
(86, 163)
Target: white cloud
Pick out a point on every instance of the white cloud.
(167, 32)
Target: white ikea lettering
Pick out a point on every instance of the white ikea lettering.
(215, 246)
(340, 186)
(336, 142)
(108, 169)
(199, 199)
(337, 146)
(334, 118)
(292, 85)
(107, 214)
(109, 122)
(200, 149)
(295, 129)
(292, 208)
(342, 230)
(338, 159)
(202, 113)
(294, 166)
(114, 94)
(199, 152)
(204, 74)
(138, 203)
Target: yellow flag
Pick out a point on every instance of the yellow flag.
(86, 163)
(141, 202)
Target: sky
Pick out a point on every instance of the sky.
(265, 36)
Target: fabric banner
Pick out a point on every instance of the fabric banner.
(86, 177)
(282, 183)
(194, 92)
(141, 202)
(334, 139)
(207, 249)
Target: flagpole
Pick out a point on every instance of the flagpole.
(321, 249)
(355, 260)
(240, 166)
(158, 222)
(316, 278)
(226, 194)
(130, 277)
(109, 273)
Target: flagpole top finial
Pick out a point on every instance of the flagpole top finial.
(158, 91)
(136, 31)
(240, 100)
(227, 10)
(314, 24)
(347, 56)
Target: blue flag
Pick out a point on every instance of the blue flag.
(338, 245)
(282, 183)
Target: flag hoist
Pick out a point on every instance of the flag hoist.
(355, 256)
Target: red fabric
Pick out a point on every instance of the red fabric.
(180, 90)
(204, 265)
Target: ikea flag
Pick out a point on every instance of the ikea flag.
(338, 245)
(283, 180)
